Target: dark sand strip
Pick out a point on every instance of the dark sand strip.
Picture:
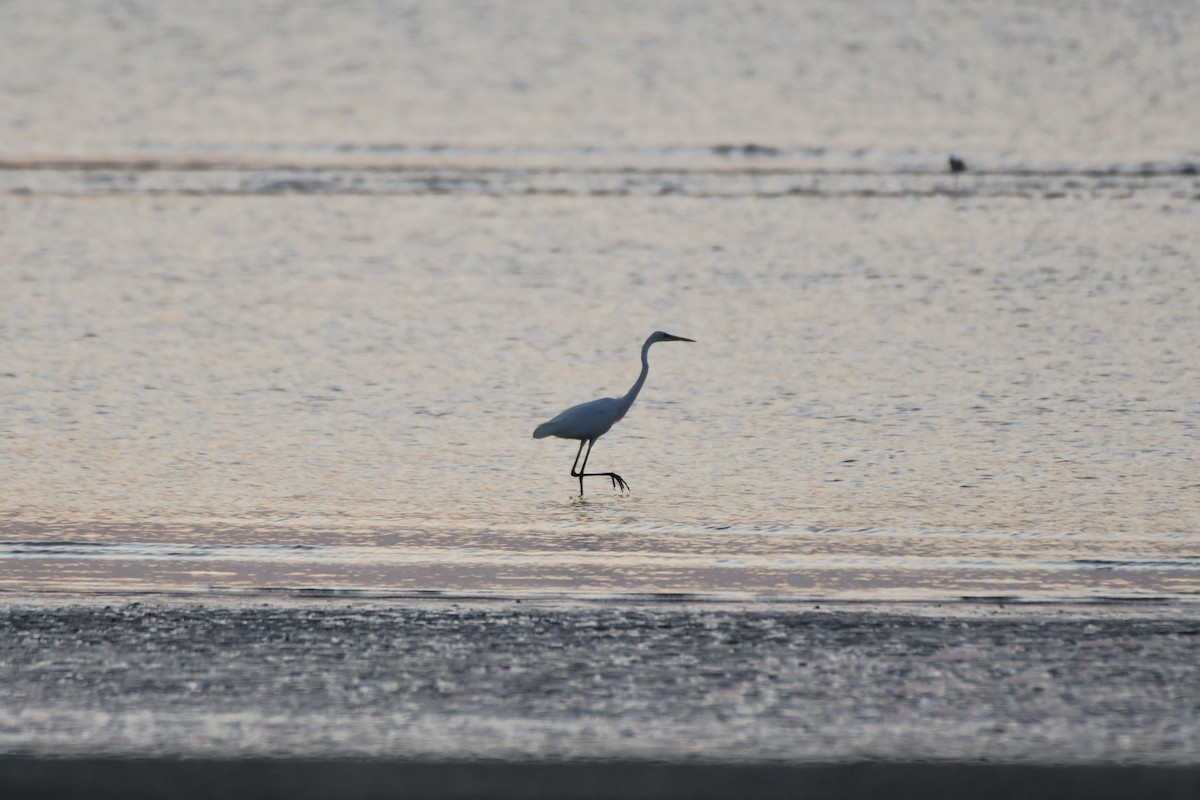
(296, 780)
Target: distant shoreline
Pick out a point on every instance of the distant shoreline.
(979, 606)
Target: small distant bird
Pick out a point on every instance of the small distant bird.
(957, 165)
(587, 422)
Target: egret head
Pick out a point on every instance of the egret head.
(663, 336)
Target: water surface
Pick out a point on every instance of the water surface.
(283, 317)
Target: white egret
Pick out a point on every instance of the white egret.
(587, 422)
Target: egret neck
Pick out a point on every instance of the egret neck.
(632, 394)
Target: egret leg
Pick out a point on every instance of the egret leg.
(579, 474)
(617, 480)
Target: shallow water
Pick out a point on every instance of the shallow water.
(306, 351)
(1016, 83)
(889, 398)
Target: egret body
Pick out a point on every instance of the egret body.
(587, 422)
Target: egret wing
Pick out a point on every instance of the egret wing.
(584, 421)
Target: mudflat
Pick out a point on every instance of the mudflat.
(448, 681)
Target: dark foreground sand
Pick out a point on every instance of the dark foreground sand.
(503, 699)
(299, 780)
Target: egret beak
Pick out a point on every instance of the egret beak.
(671, 338)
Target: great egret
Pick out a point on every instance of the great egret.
(587, 422)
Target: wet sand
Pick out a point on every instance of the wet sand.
(445, 681)
(317, 698)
